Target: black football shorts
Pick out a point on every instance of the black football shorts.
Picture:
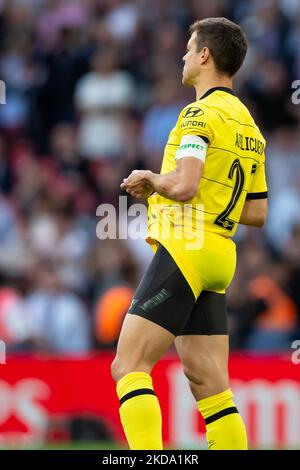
(165, 298)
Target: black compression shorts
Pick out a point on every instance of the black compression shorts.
(165, 298)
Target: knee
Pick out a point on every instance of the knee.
(205, 381)
(119, 368)
(116, 369)
(194, 374)
(122, 366)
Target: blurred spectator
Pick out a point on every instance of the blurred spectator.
(59, 320)
(160, 119)
(57, 14)
(101, 98)
(111, 309)
(12, 253)
(52, 100)
(269, 87)
(71, 250)
(122, 19)
(6, 180)
(271, 28)
(115, 274)
(291, 256)
(284, 212)
(15, 328)
(274, 312)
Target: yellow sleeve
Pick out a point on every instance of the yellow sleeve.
(197, 120)
(258, 186)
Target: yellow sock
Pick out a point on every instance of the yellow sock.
(140, 411)
(225, 429)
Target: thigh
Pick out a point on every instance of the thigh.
(203, 345)
(204, 353)
(142, 343)
(164, 296)
(208, 316)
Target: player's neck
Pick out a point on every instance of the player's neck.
(205, 84)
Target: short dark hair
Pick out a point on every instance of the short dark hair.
(226, 41)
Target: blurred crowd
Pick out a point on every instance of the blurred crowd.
(93, 88)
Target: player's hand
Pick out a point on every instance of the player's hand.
(137, 184)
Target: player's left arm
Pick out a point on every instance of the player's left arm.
(255, 209)
(182, 183)
(194, 126)
(179, 185)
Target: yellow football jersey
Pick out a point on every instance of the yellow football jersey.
(234, 171)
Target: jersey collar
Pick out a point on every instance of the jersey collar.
(221, 88)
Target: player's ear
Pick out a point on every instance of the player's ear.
(204, 55)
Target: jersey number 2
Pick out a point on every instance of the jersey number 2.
(223, 219)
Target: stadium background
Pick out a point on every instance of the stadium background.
(93, 88)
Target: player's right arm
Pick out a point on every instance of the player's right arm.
(255, 212)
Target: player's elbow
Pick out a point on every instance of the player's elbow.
(255, 212)
(259, 222)
(261, 217)
(185, 193)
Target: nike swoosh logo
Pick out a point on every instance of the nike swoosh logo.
(210, 444)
